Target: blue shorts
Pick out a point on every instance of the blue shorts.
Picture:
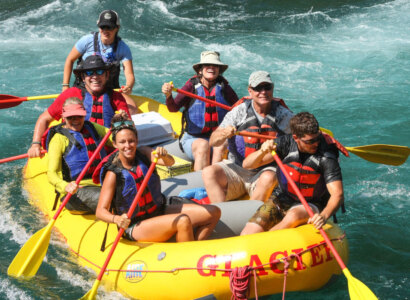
(186, 142)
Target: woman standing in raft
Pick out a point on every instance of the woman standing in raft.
(153, 221)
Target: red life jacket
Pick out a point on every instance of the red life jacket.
(241, 146)
(307, 175)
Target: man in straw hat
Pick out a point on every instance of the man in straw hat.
(201, 119)
(260, 113)
(100, 101)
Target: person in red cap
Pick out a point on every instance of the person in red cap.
(111, 48)
(70, 145)
(100, 101)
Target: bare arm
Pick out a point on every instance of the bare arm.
(41, 125)
(336, 199)
(260, 157)
(163, 157)
(68, 66)
(129, 77)
(220, 135)
(104, 202)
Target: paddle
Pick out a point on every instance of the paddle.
(30, 256)
(7, 101)
(93, 292)
(12, 158)
(357, 289)
(381, 154)
(202, 99)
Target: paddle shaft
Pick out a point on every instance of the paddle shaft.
(21, 99)
(85, 169)
(17, 157)
(202, 99)
(129, 215)
(308, 209)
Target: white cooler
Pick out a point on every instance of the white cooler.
(152, 128)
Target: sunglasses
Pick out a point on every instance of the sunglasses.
(107, 28)
(263, 87)
(94, 72)
(314, 140)
(122, 124)
(210, 65)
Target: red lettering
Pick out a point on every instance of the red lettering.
(300, 265)
(228, 266)
(317, 258)
(328, 256)
(200, 266)
(273, 264)
(256, 260)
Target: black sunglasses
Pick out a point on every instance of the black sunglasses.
(314, 140)
(107, 28)
(263, 87)
(94, 72)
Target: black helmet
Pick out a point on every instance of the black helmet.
(92, 62)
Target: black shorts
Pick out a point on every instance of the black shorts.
(85, 200)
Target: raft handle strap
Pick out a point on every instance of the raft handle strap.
(56, 200)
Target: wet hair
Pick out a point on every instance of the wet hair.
(304, 123)
(121, 118)
(73, 100)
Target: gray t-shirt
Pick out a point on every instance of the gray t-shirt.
(237, 116)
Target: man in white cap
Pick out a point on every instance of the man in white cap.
(260, 113)
(200, 118)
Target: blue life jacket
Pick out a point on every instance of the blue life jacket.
(99, 110)
(128, 182)
(80, 148)
(203, 118)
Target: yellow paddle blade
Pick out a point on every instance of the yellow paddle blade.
(326, 131)
(357, 289)
(93, 292)
(382, 154)
(29, 258)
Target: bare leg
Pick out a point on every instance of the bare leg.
(264, 186)
(251, 228)
(162, 228)
(215, 182)
(203, 217)
(202, 153)
(293, 218)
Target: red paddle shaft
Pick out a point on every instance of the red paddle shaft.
(203, 99)
(4, 160)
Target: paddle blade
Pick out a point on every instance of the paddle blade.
(6, 101)
(357, 289)
(93, 292)
(29, 258)
(382, 154)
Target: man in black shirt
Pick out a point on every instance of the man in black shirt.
(312, 162)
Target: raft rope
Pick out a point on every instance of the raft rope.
(239, 279)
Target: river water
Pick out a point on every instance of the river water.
(348, 62)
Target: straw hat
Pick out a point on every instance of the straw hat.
(210, 57)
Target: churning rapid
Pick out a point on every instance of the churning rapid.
(347, 62)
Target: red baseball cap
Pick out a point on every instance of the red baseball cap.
(74, 110)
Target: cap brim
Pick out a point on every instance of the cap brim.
(77, 112)
(222, 68)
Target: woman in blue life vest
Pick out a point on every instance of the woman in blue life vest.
(113, 50)
(200, 119)
(122, 175)
(70, 146)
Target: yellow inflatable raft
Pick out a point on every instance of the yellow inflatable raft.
(195, 269)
